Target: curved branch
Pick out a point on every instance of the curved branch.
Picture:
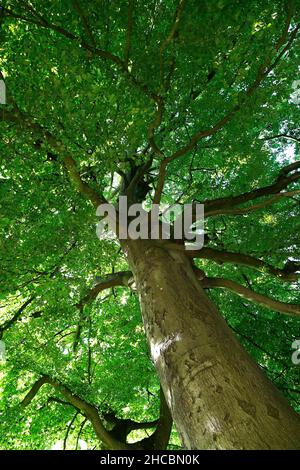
(284, 136)
(160, 438)
(33, 391)
(226, 204)
(86, 408)
(249, 294)
(254, 207)
(245, 260)
(111, 280)
(121, 278)
(81, 185)
(69, 429)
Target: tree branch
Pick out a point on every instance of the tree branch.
(170, 37)
(262, 73)
(33, 391)
(245, 260)
(284, 136)
(44, 23)
(82, 187)
(255, 207)
(103, 54)
(134, 425)
(86, 408)
(59, 401)
(155, 124)
(160, 181)
(160, 438)
(23, 120)
(79, 432)
(111, 280)
(159, 101)
(246, 293)
(85, 24)
(6, 325)
(264, 70)
(69, 429)
(226, 204)
(9, 323)
(129, 32)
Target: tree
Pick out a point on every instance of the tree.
(169, 102)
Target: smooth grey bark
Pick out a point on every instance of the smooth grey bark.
(219, 398)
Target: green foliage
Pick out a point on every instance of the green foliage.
(49, 249)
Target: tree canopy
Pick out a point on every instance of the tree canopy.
(203, 97)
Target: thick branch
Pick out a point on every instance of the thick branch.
(111, 280)
(33, 391)
(246, 293)
(86, 408)
(8, 324)
(133, 425)
(226, 204)
(245, 260)
(160, 181)
(254, 207)
(160, 438)
(81, 185)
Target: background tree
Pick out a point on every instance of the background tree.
(163, 102)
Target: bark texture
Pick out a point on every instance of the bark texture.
(219, 398)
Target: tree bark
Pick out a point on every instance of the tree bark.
(219, 398)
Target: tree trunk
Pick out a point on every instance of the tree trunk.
(219, 398)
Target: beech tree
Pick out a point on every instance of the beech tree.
(166, 103)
